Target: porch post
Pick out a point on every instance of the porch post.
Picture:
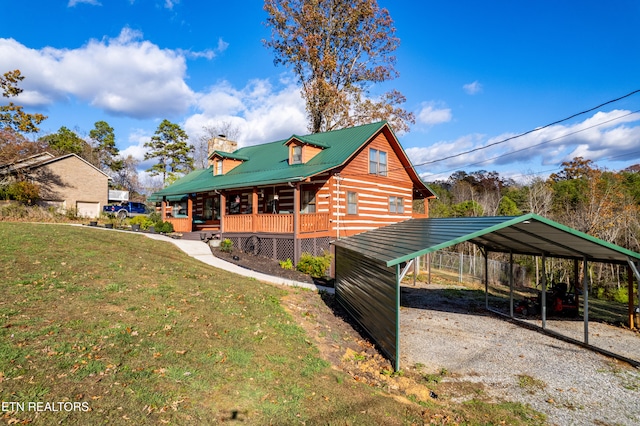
(254, 210)
(163, 212)
(296, 220)
(190, 211)
(223, 212)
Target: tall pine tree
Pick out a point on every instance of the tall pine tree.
(169, 145)
(104, 147)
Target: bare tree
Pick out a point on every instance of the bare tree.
(539, 197)
(230, 131)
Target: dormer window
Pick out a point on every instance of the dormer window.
(224, 162)
(301, 150)
(296, 154)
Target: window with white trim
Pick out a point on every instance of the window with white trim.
(396, 205)
(352, 203)
(218, 167)
(377, 162)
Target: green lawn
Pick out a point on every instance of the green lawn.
(102, 327)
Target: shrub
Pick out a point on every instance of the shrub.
(164, 227)
(155, 217)
(24, 192)
(71, 213)
(144, 221)
(286, 264)
(226, 245)
(314, 266)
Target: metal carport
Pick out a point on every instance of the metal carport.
(370, 266)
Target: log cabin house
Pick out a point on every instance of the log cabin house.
(283, 198)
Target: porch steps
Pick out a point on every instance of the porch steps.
(200, 235)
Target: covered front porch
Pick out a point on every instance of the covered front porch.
(272, 210)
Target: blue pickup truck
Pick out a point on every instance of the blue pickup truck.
(126, 209)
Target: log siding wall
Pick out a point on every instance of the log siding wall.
(373, 192)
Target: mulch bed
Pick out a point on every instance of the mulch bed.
(262, 264)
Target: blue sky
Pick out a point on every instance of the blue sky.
(474, 73)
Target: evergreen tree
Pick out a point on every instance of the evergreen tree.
(104, 147)
(66, 141)
(169, 145)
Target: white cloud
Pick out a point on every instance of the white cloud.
(72, 3)
(168, 4)
(442, 149)
(473, 88)
(431, 115)
(123, 76)
(605, 136)
(261, 112)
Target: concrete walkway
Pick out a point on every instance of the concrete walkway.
(201, 251)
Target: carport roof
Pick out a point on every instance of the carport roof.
(529, 234)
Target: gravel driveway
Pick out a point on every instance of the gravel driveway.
(442, 329)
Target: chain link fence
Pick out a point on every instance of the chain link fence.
(471, 268)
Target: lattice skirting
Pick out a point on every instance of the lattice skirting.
(278, 247)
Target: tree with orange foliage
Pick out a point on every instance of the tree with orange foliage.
(12, 116)
(338, 50)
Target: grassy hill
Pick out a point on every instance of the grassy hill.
(109, 327)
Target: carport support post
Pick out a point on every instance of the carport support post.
(631, 295)
(398, 280)
(585, 291)
(486, 278)
(637, 275)
(510, 283)
(543, 299)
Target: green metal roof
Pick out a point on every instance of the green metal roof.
(528, 234)
(230, 155)
(308, 140)
(268, 164)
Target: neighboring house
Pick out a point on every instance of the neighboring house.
(283, 198)
(66, 182)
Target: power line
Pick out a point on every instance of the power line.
(521, 135)
(528, 132)
(550, 140)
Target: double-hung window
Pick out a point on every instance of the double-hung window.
(352, 203)
(396, 205)
(377, 162)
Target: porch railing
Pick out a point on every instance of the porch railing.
(180, 224)
(276, 223)
(314, 222)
